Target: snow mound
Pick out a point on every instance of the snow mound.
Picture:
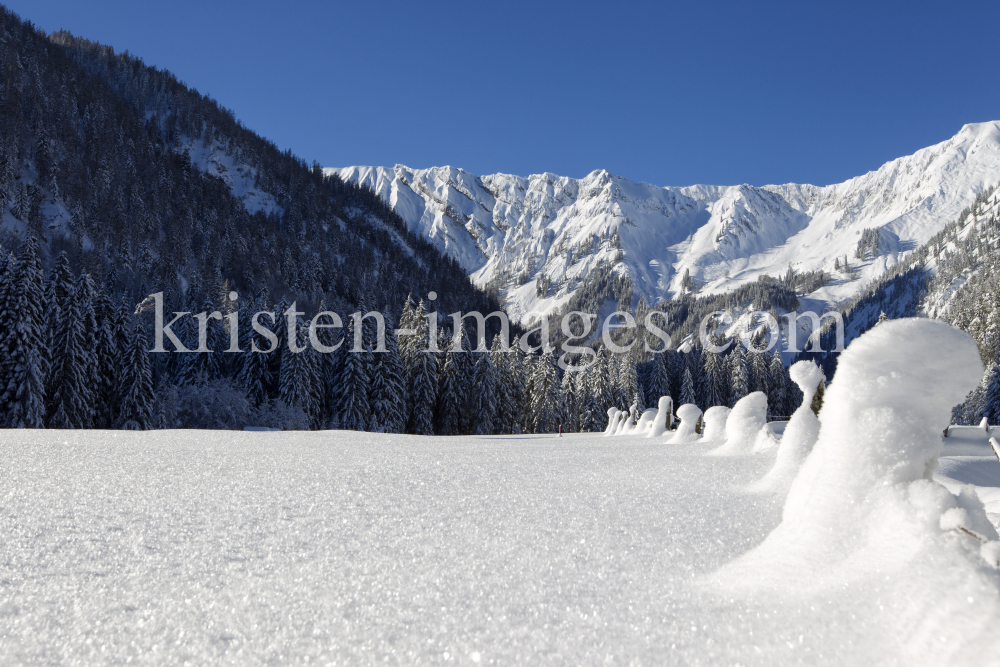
(645, 422)
(766, 440)
(612, 421)
(863, 517)
(748, 417)
(715, 423)
(687, 431)
(800, 435)
(663, 412)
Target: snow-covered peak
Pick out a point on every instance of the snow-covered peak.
(538, 239)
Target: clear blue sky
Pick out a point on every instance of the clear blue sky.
(671, 94)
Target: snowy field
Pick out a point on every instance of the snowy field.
(849, 543)
(319, 548)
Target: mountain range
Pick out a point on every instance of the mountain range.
(537, 240)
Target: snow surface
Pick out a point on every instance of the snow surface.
(500, 227)
(349, 548)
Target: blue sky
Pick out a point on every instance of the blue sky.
(671, 94)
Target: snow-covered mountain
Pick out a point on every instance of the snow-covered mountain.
(537, 239)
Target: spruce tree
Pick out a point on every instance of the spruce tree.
(739, 382)
(107, 360)
(991, 410)
(253, 374)
(23, 398)
(352, 406)
(777, 399)
(136, 406)
(448, 410)
(688, 394)
(545, 394)
(69, 397)
(506, 412)
(299, 383)
(422, 390)
(483, 394)
(387, 391)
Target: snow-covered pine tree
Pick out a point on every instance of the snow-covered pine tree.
(447, 413)
(353, 382)
(777, 388)
(253, 374)
(991, 409)
(463, 381)
(628, 382)
(58, 289)
(22, 202)
(589, 408)
(189, 366)
(688, 394)
(23, 400)
(696, 364)
(423, 389)
(387, 391)
(659, 380)
(675, 373)
(504, 418)
(545, 394)
(483, 394)
(135, 411)
(758, 370)
(412, 347)
(717, 377)
(70, 397)
(299, 382)
(408, 344)
(517, 369)
(739, 382)
(570, 413)
(106, 362)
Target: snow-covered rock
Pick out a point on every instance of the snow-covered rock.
(513, 231)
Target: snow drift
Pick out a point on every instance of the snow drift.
(800, 434)
(863, 516)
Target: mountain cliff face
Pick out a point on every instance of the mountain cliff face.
(536, 240)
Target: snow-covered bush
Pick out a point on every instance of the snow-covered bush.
(687, 430)
(663, 416)
(277, 414)
(645, 422)
(214, 405)
(748, 417)
(612, 421)
(800, 433)
(715, 423)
